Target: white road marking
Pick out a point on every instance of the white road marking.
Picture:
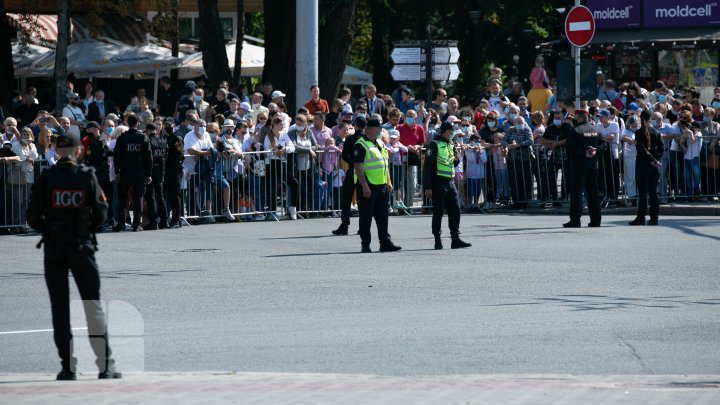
(17, 332)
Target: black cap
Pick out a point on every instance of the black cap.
(360, 122)
(68, 141)
(93, 124)
(170, 121)
(151, 127)
(373, 123)
(445, 126)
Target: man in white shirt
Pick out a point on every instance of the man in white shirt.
(198, 144)
(73, 113)
(256, 106)
(610, 181)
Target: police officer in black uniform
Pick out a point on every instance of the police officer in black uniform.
(133, 167)
(582, 146)
(96, 156)
(173, 170)
(438, 183)
(67, 206)
(373, 187)
(348, 186)
(155, 193)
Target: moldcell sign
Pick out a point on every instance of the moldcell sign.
(625, 14)
(612, 14)
(677, 13)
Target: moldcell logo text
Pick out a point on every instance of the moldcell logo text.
(612, 13)
(686, 11)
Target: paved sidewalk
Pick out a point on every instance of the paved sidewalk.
(669, 209)
(284, 388)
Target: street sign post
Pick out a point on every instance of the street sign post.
(448, 54)
(441, 72)
(580, 30)
(411, 59)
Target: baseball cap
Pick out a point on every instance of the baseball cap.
(580, 111)
(72, 95)
(277, 94)
(445, 126)
(6, 142)
(150, 127)
(373, 123)
(360, 122)
(604, 113)
(169, 120)
(228, 123)
(93, 124)
(245, 106)
(112, 117)
(394, 133)
(68, 140)
(347, 110)
(452, 118)
(633, 107)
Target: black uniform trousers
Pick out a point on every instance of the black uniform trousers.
(647, 178)
(374, 207)
(78, 257)
(172, 192)
(138, 185)
(584, 179)
(445, 199)
(155, 198)
(347, 190)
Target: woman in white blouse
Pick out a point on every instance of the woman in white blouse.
(22, 176)
(278, 145)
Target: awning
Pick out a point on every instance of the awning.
(680, 39)
(44, 28)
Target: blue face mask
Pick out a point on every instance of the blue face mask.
(409, 121)
(99, 102)
(656, 123)
(715, 104)
(519, 127)
(465, 129)
(557, 122)
(662, 98)
(512, 117)
(198, 99)
(523, 108)
(109, 130)
(491, 124)
(707, 119)
(624, 100)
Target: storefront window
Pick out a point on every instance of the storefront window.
(690, 68)
(633, 65)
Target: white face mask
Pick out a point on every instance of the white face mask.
(300, 128)
(200, 130)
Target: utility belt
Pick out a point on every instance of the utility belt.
(73, 229)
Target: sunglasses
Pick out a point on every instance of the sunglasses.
(465, 125)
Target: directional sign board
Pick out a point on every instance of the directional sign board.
(412, 55)
(441, 72)
(580, 26)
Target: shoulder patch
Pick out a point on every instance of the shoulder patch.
(429, 152)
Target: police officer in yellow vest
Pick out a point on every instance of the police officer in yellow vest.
(372, 180)
(439, 185)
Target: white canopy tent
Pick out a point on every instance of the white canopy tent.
(24, 55)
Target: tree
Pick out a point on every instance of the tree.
(63, 39)
(335, 37)
(7, 71)
(236, 78)
(280, 50)
(212, 43)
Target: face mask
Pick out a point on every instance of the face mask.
(109, 130)
(198, 99)
(523, 108)
(662, 98)
(716, 104)
(465, 130)
(24, 142)
(190, 127)
(557, 123)
(169, 131)
(201, 131)
(707, 119)
(519, 127)
(300, 128)
(512, 117)
(624, 100)
(491, 124)
(409, 121)
(495, 94)
(655, 124)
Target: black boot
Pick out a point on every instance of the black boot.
(68, 371)
(110, 371)
(389, 247)
(438, 243)
(637, 221)
(342, 230)
(458, 243)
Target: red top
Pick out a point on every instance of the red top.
(411, 135)
(320, 105)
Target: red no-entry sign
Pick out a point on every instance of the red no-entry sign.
(580, 26)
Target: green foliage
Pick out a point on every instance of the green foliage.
(361, 47)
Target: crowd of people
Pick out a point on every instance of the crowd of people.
(224, 154)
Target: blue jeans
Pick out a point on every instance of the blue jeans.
(502, 186)
(664, 170)
(257, 190)
(692, 176)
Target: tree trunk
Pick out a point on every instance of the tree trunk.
(237, 79)
(63, 39)
(7, 71)
(336, 34)
(212, 44)
(175, 35)
(280, 51)
(380, 53)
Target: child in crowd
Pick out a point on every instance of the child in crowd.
(396, 149)
(459, 169)
(337, 182)
(499, 156)
(475, 157)
(330, 165)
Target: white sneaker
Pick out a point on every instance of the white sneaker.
(226, 213)
(293, 213)
(260, 217)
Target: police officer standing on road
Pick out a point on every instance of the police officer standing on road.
(155, 194)
(439, 185)
(173, 170)
(348, 186)
(582, 146)
(67, 206)
(373, 187)
(133, 167)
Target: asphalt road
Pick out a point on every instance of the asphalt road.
(528, 297)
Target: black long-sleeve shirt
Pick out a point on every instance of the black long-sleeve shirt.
(579, 141)
(647, 154)
(132, 154)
